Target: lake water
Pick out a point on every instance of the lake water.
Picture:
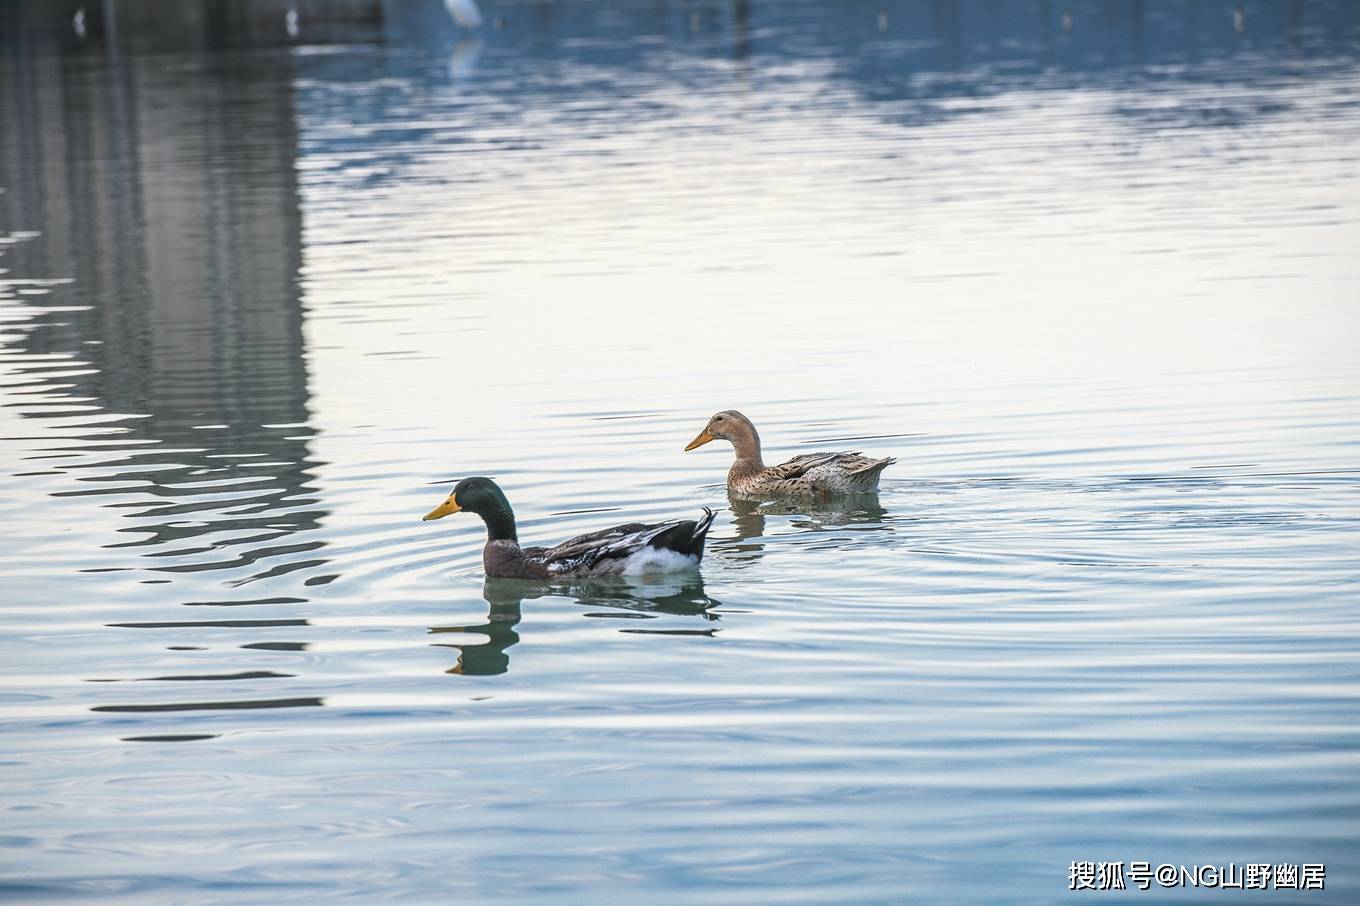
(1089, 271)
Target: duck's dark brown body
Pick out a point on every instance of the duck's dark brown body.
(507, 560)
(624, 549)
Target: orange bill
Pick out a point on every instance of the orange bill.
(703, 438)
(448, 506)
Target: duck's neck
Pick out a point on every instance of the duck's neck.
(746, 443)
(500, 523)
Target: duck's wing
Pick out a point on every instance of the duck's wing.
(850, 463)
(587, 552)
(801, 465)
(858, 464)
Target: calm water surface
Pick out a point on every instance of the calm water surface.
(1089, 273)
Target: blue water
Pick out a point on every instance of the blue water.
(1088, 271)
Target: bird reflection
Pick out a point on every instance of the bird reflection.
(681, 596)
(463, 59)
(488, 658)
(749, 517)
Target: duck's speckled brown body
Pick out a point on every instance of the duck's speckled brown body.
(809, 474)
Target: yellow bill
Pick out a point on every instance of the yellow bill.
(448, 506)
(703, 438)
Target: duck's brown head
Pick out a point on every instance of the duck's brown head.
(729, 425)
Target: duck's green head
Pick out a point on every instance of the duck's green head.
(475, 495)
(483, 497)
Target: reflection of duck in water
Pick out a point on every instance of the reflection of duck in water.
(487, 658)
(821, 474)
(632, 549)
(749, 516)
(681, 596)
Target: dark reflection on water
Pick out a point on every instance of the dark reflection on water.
(166, 188)
(177, 624)
(172, 737)
(276, 646)
(856, 512)
(243, 675)
(487, 658)
(681, 596)
(214, 706)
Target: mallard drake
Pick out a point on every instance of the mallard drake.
(630, 549)
(811, 473)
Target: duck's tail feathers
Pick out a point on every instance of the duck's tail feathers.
(701, 528)
(686, 537)
(874, 467)
(700, 533)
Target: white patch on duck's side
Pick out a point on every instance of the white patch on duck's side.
(649, 561)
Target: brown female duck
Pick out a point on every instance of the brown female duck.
(811, 473)
(630, 549)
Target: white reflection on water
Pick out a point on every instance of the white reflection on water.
(1094, 287)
